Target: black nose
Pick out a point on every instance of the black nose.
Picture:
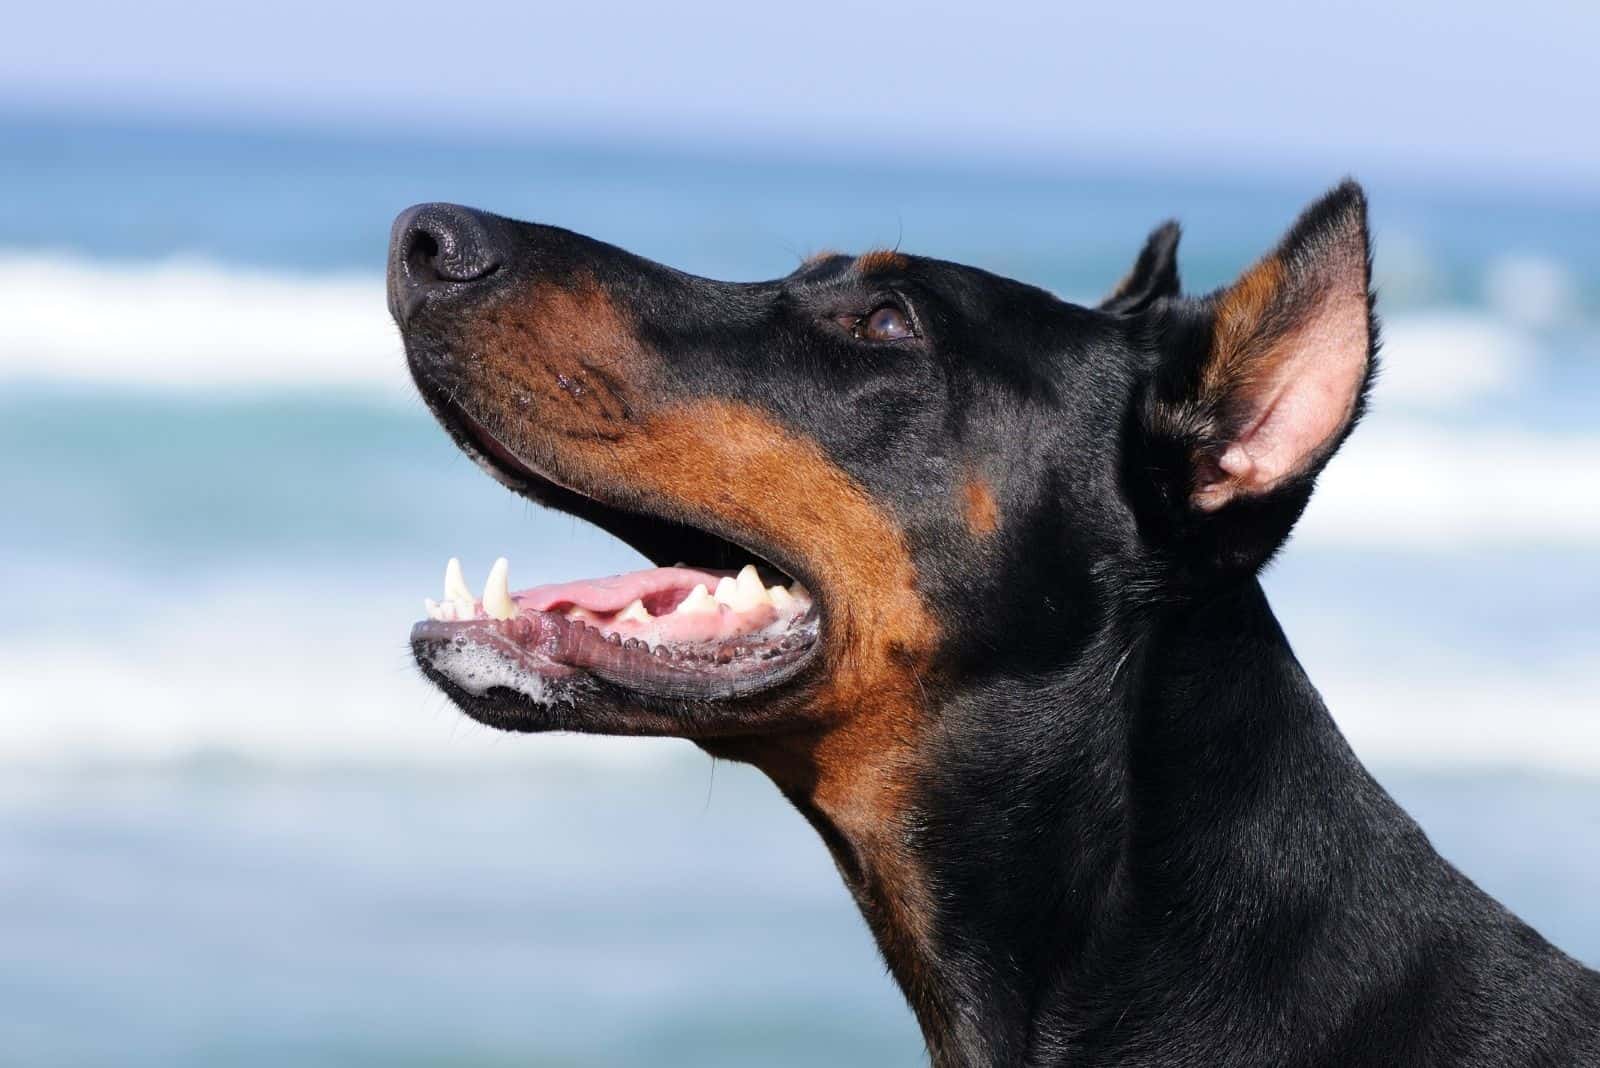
(438, 249)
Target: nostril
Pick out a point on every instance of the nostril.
(447, 243)
(421, 256)
(437, 251)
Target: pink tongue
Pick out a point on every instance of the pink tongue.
(616, 592)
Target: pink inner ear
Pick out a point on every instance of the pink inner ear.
(1304, 393)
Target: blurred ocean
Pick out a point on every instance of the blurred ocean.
(235, 828)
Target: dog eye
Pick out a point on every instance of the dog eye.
(884, 323)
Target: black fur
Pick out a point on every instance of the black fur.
(1146, 842)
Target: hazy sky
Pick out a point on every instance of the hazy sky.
(1470, 88)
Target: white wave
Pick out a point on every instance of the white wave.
(189, 323)
(1437, 361)
(1477, 716)
(1401, 484)
(1531, 289)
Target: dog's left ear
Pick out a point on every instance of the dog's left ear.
(1154, 274)
(1256, 387)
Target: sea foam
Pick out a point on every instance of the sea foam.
(193, 324)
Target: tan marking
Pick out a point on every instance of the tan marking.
(820, 256)
(560, 378)
(979, 507)
(882, 259)
(1243, 330)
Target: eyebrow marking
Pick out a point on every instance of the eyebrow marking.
(821, 256)
(881, 259)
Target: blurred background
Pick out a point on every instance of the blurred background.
(237, 829)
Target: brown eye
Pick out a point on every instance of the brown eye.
(886, 323)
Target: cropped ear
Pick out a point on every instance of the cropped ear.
(1154, 274)
(1259, 383)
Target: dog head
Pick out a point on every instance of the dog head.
(930, 468)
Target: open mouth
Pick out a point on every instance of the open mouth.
(727, 624)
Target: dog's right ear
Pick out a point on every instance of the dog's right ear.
(1154, 274)
(1254, 388)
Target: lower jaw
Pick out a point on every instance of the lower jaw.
(542, 657)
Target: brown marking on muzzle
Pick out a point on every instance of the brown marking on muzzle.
(563, 381)
(564, 352)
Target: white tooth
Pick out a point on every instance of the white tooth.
(801, 595)
(635, 612)
(726, 589)
(497, 592)
(781, 600)
(748, 591)
(456, 590)
(698, 601)
(432, 608)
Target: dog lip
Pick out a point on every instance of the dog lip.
(534, 652)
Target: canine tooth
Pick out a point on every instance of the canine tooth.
(699, 600)
(456, 590)
(726, 590)
(497, 591)
(635, 612)
(748, 591)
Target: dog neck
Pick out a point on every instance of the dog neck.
(1087, 859)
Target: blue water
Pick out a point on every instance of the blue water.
(216, 916)
(236, 829)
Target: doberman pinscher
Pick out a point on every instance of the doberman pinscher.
(972, 577)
